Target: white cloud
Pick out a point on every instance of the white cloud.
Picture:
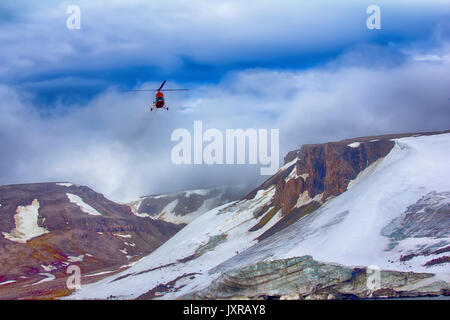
(163, 33)
(117, 146)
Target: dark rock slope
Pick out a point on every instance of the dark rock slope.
(46, 227)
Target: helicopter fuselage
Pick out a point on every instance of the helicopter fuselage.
(159, 100)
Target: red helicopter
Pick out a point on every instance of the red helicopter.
(158, 101)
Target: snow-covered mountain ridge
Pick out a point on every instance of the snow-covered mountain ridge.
(183, 207)
(349, 203)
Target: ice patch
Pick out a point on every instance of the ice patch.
(135, 207)
(122, 235)
(48, 268)
(83, 206)
(7, 282)
(294, 175)
(354, 144)
(64, 184)
(304, 199)
(128, 265)
(287, 165)
(167, 213)
(49, 277)
(141, 215)
(75, 259)
(364, 174)
(263, 192)
(26, 220)
(99, 273)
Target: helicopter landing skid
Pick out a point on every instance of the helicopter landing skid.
(154, 107)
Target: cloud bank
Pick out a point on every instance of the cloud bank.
(116, 145)
(131, 42)
(313, 71)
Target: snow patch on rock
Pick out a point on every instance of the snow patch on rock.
(26, 221)
(123, 235)
(287, 165)
(354, 144)
(167, 213)
(7, 282)
(304, 199)
(75, 258)
(83, 205)
(64, 184)
(48, 277)
(48, 268)
(100, 273)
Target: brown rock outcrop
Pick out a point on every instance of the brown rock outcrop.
(103, 242)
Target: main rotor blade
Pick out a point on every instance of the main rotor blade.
(162, 85)
(153, 90)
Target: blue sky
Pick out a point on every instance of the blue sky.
(126, 44)
(310, 68)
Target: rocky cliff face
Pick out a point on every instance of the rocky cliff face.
(326, 169)
(428, 218)
(46, 227)
(305, 278)
(315, 173)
